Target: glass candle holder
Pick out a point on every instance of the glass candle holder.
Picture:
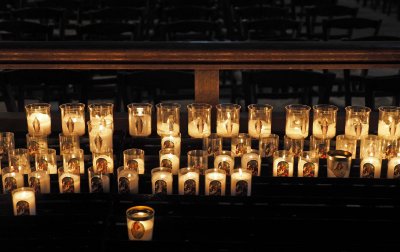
(259, 120)
(370, 167)
(73, 118)
(161, 180)
(46, 160)
(390, 148)
(99, 182)
(294, 146)
(215, 182)
(19, 159)
(197, 159)
(34, 144)
(228, 116)
(240, 144)
(74, 160)
(134, 159)
(188, 179)
(140, 223)
(100, 136)
(39, 180)
(6, 143)
(224, 160)
(103, 162)
(24, 202)
(339, 164)
(69, 181)
(212, 144)
(394, 168)
(283, 164)
(308, 165)
(357, 121)
(199, 120)
(168, 115)
(140, 119)
(389, 122)
(128, 181)
(172, 141)
(68, 142)
(251, 161)
(297, 121)
(268, 144)
(320, 145)
(169, 159)
(371, 146)
(12, 179)
(347, 143)
(38, 119)
(324, 121)
(101, 111)
(241, 182)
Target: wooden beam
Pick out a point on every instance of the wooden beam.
(206, 86)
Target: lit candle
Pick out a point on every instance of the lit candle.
(140, 223)
(215, 182)
(308, 165)
(268, 144)
(161, 180)
(347, 143)
(394, 168)
(35, 144)
(198, 128)
(357, 121)
(251, 161)
(197, 159)
(294, 146)
(199, 120)
(46, 161)
(73, 160)
(40, 181)
(297, 117)
(98, 182)
(224, 160)
(139, 119)
(339, 163)
(172, 141)
(134, 159)
(100, 136)
(39, 124)
(73, 118)
(188, 179)
(103, 163)
(296, 132)
(323, 129)
(257, 127)
(228, 120)
(168, 118)
(370, 167)
(389, 124)
(169, 160)
(283, 164)
(227, 128)
(128, 181)
(240, 144)
(69, 183)
(11, 180)
(241, 183)
(136, 163)
(24, 202)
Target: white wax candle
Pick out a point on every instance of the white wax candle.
(189, 183)
(388, 130)
(74, 163)
(39, 181)
(103, 163)
(136, 163)
(69, 183)
(240, 149)
(99, 119)
(161, 182)
(128, 181)
(355, 128)
(227, 128)
(167, 128)
(39, 124)
(52, 169)
(252, 162)
(215, 184)
(282, 168)
(140, 230)
(224, 162)
(307, 168)
(370, 167)
(170, 141)
(73, 124)
(170, 161)
(296, 133)
(258, 127)
(394, 168)
(99, 184)
(101, 138)
(24, 203)
(324, 131)
(11, 181)
(139, 125)
(198, 129)
(241, 184)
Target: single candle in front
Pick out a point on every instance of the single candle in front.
(140, 223)
(24, 202)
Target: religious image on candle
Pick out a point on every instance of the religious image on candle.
(39, 180)
(283, 164)
(308, 165)
(370, 167)
(215, 182)
(12, 179)
(139, 119)
(339, 164)
(357, 121)
(297, 121)
(68, 142)
(99, 112)
(241, 182)
(212, 144)
(268, 144)
(134, 159)
(100, 135)
(172, 141)
(394, 168)
(294, 146)
(38, 119)
(169, 159)
(128, 181)
(197, 159)
(324, 121)
(24, 202)
(98, 182)
(389, 122)
(46, 160)
(34, 144)
(73, 160)
(168, 118)
(103, 162)
(259, 120)
(228, 119)
(251, 161)
(199, 120)
(73, 118)
(224, 160)
(188, 179)
(240, 144)
(161, 180)
(320, 146)
(140, 223)
(69, 181)
(19, 159)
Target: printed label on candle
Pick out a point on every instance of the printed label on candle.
(295, 148)
(137, 230)
(241, 188)
(224, 165)
(309, 169)
(74, 165)
(240, 149)
(322, 150)
(67, 145)
(396, 172)
(160, 187)
(35, 184)
(282, 169)
(96, 185)
(23, 207)
(189, 187)
(358, 129)
(70, 125)
(101, 165)
(132, 164)
(67, 185)
(33, 147)
(215, 188)
(269, 149)
(368, 170)
(166, 163)
(43, 165)
(36, 125)
(10, 183)
(252, 165)
(339, 169)
(123, 185)
(139, 124)
(168, 144)
(98, 141)
(390, 151)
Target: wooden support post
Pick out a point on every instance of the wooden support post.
(206, 86)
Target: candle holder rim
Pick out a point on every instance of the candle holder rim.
(149, 210)
(357, 109)
(199, 105)
(139, 104)
(201, 152)
(171, 134)
(72, 105)
(73, 150)
(100, 104)
(24, 188)
(92, 171)
(172, 105)
(283, 153)
(222, 106)
(218, 170)
(37, 106)
(18, 151)
(223, 152)
(136, 151)
(244, 170)
(167, 151)
(390, 108)
(298, 107)
(260, 107)
(347, 137)
(371, 137)
(332, 154)
(7, 133)
(161, 168)
(330, 107)
(185, 170)
(8, 169)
